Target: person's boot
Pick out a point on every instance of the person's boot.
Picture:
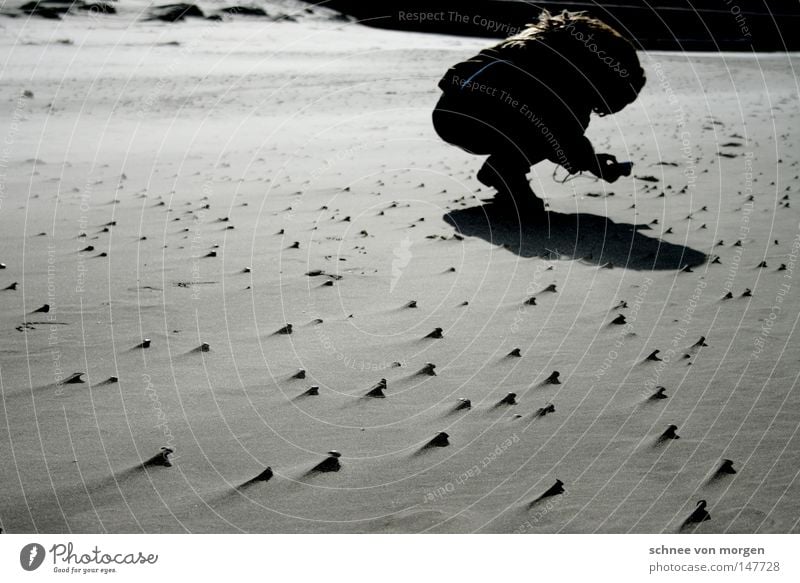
(513, 191)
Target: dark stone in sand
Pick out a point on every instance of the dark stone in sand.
(145, 343)
(554, 490)
(377, 391)
(515, 352)
(659, 394)
(295, 245)
(175, 12)
(211, 254)
(700, 514)
(727, 296)
(112, 379)
(653, 355)
(428, 369)
(463, 404)
(73, 379)
(160, 459)
(329, 464)
(412, 304)
(300, 374)
(205, 347)
(531, 301)
(726, 467)
(509, 399)
(285, 330)
(619, 320)
(312, 391)
(12, 286)
(549, 408)
(747, 293)
(243, 11)
(264, 476)
(701, 342)
(553, 378)
(437, 333)
(669, 433)
(441, 439)
(44, 309)
(46, 9)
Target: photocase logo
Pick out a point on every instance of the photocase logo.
(31, 556)
(402, 257)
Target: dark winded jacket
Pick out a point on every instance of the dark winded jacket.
(523, 104)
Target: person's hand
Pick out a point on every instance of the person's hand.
(607, 167)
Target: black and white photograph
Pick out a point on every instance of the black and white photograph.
(404, 267)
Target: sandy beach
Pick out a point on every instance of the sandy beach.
(202, 221)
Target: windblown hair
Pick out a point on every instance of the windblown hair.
(596, 53)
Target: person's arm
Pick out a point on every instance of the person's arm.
(565, 139)
(576, 154)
